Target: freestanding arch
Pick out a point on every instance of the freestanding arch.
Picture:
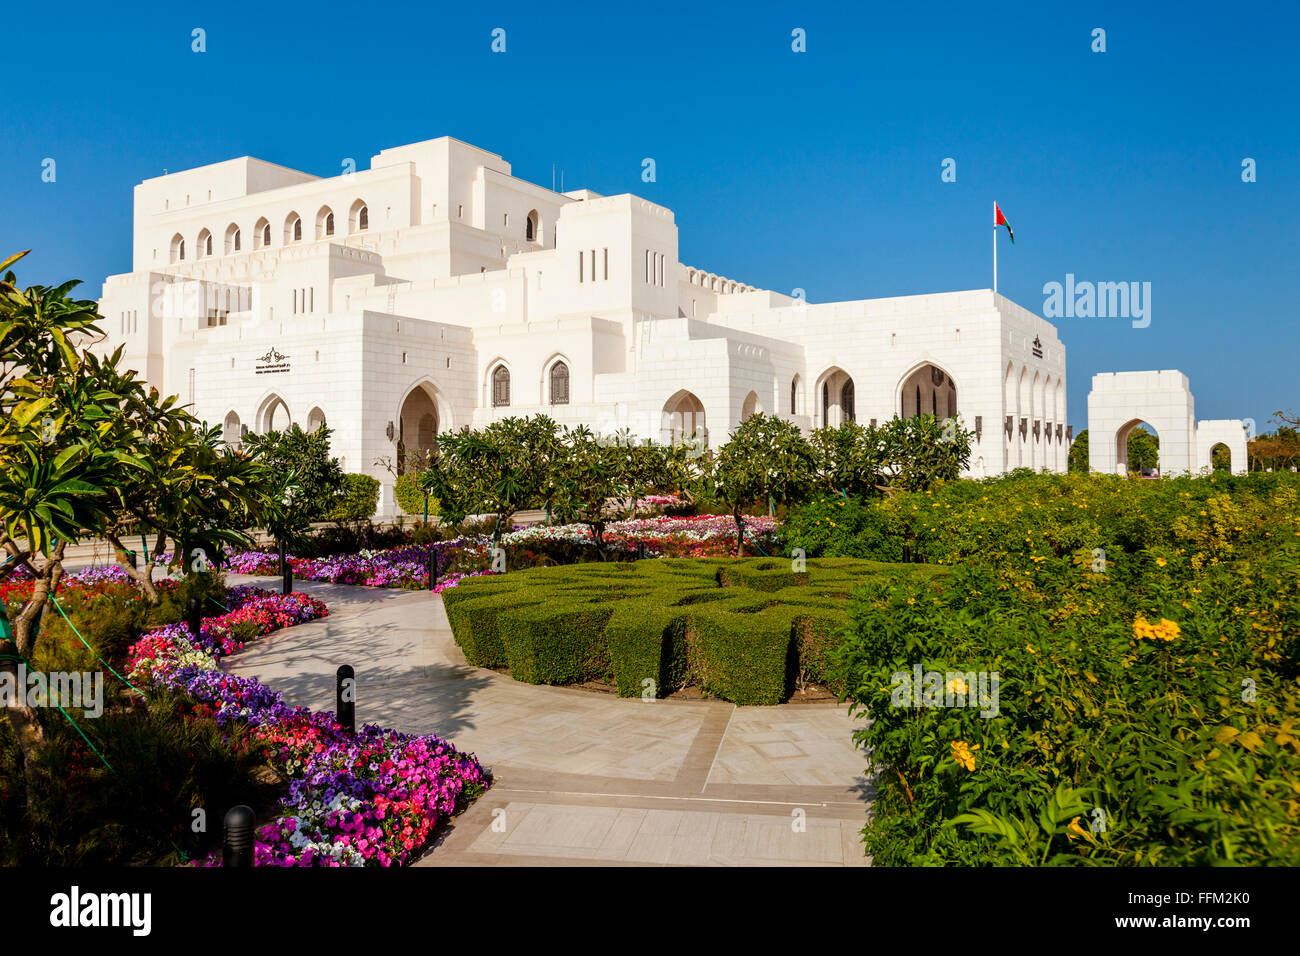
(683, 417)
(1229, 432)
(1120, 401)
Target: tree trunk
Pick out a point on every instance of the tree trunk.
(141, 576)
(24, 719)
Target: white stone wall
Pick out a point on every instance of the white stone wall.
(444, 286)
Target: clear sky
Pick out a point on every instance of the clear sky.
(818, 170)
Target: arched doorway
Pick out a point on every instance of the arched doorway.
(683, 417)
(751, 407)
(417, 429)
(1220, 457)
(928, 390)
(230, 432)
(315, 419)
(838, 399)
(1137, 449)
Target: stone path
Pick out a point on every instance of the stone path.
(582, 777)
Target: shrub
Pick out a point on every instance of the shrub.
(1121, 682)
(410, 496)
(747, 630)
(357, 501)
(839, 527)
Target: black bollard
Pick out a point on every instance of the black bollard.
(345, 695)
(237, 846)
(194, 616)
(433, 567)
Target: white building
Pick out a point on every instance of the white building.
(435, 290)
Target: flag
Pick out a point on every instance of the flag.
(1001, 220)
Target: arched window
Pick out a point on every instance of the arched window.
(794, 395)
(262, 234)
(531, 230)
(292, 228)
(205, 243)
(358, 217)
(178, 248)
(500, 387)
(232, 238)
(231, 432)
(846, 402)
(324, 223)
(559, 384)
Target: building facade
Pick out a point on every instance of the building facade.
(435, 291)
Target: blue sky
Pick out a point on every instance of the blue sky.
(818, 170)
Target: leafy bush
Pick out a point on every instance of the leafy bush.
(748, 631)
(410, 496)
(357, 501)
(1145, 638)
(839, 527)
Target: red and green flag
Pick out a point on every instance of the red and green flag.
(1001, 220)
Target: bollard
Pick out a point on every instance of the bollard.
(433, 567)
(286, 584)
(237, 845)
(194, 617)
(345, 697)
(907, 554)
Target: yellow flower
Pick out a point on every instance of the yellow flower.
(911, 600)
(1161, 562)
(1074, 830)
(958, 686)
(1166, 630)
(961, 752)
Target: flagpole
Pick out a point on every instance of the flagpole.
(995, 246)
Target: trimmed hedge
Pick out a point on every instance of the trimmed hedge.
(744, 630)
(357, 501)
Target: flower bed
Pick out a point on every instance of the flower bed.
(369, 799)
(407, 566)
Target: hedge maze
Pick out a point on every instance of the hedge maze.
(744, 630)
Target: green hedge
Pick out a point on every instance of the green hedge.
(357, 501)
(746, 631)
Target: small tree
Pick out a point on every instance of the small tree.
(312, 479)
(591, 477)
(500, 469)
(766, 459)
(917, 453)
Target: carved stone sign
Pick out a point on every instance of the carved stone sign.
(271, 363)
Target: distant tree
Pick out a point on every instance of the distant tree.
(1078, 456)
(1143, 451)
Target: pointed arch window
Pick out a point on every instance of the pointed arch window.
(847, 412)
(500, 387)
(559, 384)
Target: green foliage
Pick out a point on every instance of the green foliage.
(1145, 637)
(838, 527)
(766, 459)
(313, 479)
(410, 494)
(749, 631)
(1077, 460)
(358, 499)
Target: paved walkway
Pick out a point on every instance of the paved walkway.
(582, 777)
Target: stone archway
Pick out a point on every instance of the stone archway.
(682, 418)
(417, 429)
(1134, 452)
(927, 390)
(1120, 401)
(751, 407)
(836, 398)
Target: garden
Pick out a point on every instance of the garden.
(1075, 669)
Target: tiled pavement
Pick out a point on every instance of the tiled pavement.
(583, 777)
